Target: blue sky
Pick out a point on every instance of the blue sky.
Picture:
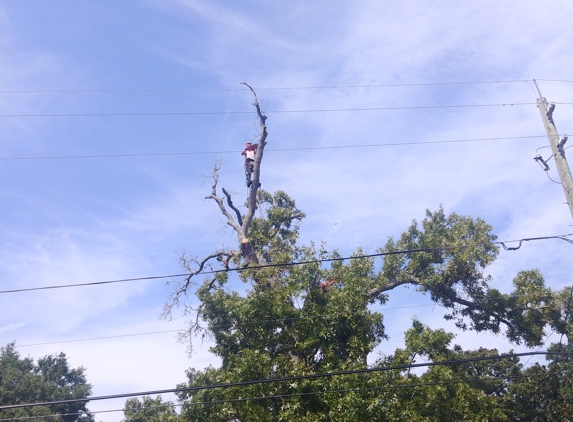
(92, 219)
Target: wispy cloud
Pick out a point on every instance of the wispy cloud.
(91, 220)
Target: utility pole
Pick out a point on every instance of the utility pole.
(556, 142)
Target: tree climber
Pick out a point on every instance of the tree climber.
(324, 285)
(249, 153)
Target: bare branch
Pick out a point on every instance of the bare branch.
(174, 298)
(262, 117)
(194, 329)
(230, 221)
(232, 206)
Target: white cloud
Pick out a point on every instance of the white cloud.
(82, 221)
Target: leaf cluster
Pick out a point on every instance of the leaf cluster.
(314, 318)
(49, 379)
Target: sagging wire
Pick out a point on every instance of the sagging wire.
(559, 183)
(508, 248)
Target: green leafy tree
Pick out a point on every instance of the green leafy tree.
(149, 409)
(49, 379)
(318, 317)
(544, 393)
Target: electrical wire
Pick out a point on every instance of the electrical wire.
(258, 321)
(245, 322)
(99, 338)
(258, 89)
(208, 113)
(269, 149)
(531, 86)
(546, 146)
(543, 342)
(547, 173)
(95, 283)
(308, 393)
(283, 379)
(291, 264)
(551, 157)
(553, 80)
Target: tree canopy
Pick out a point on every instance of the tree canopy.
(49, 379)
(149, 409)
(305, 310)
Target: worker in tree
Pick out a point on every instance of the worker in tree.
(249, 153)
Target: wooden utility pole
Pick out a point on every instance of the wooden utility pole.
(556, 142)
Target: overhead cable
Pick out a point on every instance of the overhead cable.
(267, 149)
(290, 264)
(95, 283)
(58, 91)
(99, 338)
(244, 322)
(553, 80)
(283, 379)
(307, 393)
(210, 113)
(257, 321)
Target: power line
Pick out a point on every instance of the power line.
(246, 322)
(249, 322)
(268, 150)
(350, 390)
(282, 379)
(257, 321)
(290, 264)
(553, 80)
(37, 91)
(100, 338)
(308, 393)
(208, 113)
(96, 283)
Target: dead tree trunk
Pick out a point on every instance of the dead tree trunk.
(252, 202)
(240, 224)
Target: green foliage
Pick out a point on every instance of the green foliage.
(50, 379)
(149, 409)
(275, 236)
(313, 318)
